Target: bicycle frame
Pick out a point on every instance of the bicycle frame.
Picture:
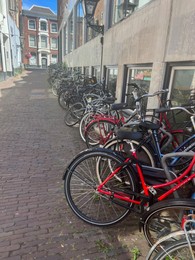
(178, 182)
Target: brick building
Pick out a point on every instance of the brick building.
(40, 34)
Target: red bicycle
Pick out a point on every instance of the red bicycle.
(102, 187)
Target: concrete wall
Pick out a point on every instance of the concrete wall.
(159, 32)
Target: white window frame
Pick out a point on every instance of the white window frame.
(43, 21)
(29, 22)
(35, 41)
(56, 57)
(51, 27)
(56, 44)
(45, 36)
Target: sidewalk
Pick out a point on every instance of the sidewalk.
(10, 82)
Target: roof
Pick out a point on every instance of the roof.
(40, 12)
(41, 9)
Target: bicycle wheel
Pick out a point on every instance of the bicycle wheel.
(165, 217)
(74, 114)
(144, 155)
(177, 250)
(54, 89)
(80, 187)
(99, 132)
(84, 122)
(62, 99)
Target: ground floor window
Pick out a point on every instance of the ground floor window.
(86, 71)
(54, 58)
(33, 59)
(96, 72)
(142, 77)
(111, 79)
(182, 85)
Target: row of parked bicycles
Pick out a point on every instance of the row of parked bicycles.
(138, 161)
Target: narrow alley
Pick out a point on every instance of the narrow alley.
(35, 220)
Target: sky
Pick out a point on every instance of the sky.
(52, 4)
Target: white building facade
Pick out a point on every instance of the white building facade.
(10, 48)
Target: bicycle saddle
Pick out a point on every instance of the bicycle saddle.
(124, 133)
(109, 100)
(118, 106)
(149, 125)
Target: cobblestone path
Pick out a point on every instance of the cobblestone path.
(35, 221)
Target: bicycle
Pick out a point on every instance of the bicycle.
(101, 188)
(177, 245)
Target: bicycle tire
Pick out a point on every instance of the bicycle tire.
(85, 120)
(62, 99)
(98, 132)
(159, 220)
(74, 114)
(80, 182)
(144, 154)
(176, 250)
(54, 90)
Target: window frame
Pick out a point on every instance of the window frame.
(29, 23)
(128, 68)
(52, 57)
(106, 70)
(56, 43)
(45, 36)
(173, 69)
(51, 27)
(46, 23)
(31, 35)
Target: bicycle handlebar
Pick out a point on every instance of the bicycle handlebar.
(166, 109)
(154, 94)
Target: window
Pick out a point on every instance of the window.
(33, 59)
(43, 41)
(32, 41)
(96, 72)
(54, 58)
(122, 8)
(43, 26)
(54, 43)
(31, 25)
(111, 79)
(142, 77)
(86, 71)
(54, 27)
(65, 40)
(71, 32)
(182, 85)
(79, 24)
(12, 5)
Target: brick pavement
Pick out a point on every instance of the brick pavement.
(35, 221)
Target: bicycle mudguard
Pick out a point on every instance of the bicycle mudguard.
(163, 204)
(88, 151)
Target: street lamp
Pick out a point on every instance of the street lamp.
(89, 7)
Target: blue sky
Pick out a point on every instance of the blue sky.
(52, 4)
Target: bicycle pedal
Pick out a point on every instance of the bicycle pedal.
(152, 191)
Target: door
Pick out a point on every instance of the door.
(44, 63)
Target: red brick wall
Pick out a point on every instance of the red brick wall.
(27, 32)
